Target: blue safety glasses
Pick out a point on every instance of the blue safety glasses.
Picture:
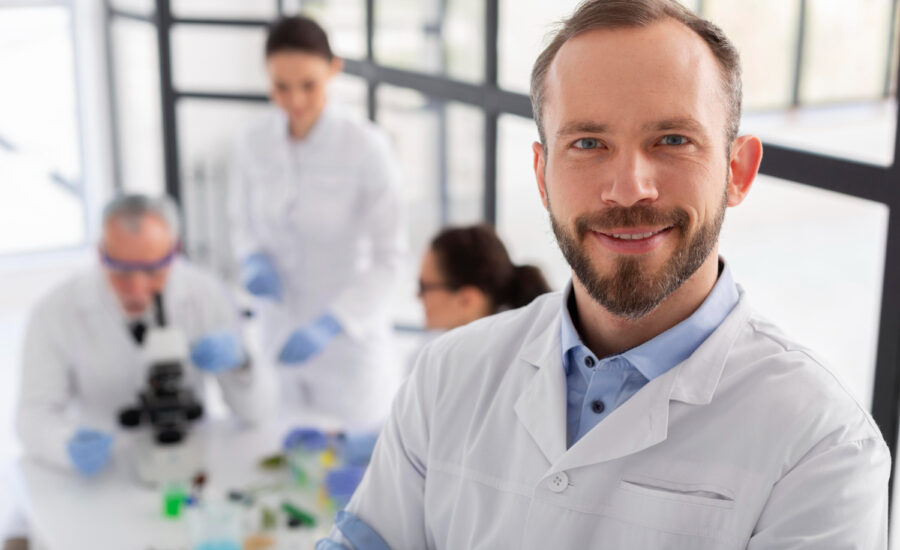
(124, 267)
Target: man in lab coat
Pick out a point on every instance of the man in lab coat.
(82, 358)
(647, 406)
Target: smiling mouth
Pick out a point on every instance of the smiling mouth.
(634, 236)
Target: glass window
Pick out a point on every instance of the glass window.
(206, 135)
(437, 36)
(218, 59)
(345, 23)
(440, 148)
(768, 63)
(138, 106)
(524, 26)
(41, 184)
(863, 132)
(141, 7)
(845, 50)
(351, 92)
(465, 164)
(232, 9)
(816, 270)
(522, 222)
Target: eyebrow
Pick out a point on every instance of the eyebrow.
(582, 127)
(588, 127)
(684, 123)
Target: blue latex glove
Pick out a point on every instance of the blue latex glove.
(357, 447)
(89, 450)
(341, 482)
(357, 533)
(260, 277)
(308, 341)
(309, 439)
(218, 352)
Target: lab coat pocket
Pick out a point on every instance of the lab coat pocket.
(659, 513)
(700, 494)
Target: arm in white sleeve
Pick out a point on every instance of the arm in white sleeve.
(368, 298)
(390, 498)
(836, 497)
(45, 393)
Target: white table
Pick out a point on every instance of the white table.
(114, 511)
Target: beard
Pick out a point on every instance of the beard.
(631, 291)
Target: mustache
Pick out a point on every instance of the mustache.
(633, 216)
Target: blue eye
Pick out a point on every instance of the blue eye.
(674, 139)
(587, 143)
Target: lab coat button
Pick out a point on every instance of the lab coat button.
(589, 361)
(558, 482)
(598, 406)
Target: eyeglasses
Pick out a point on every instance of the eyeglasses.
(428, 287)
(124, 267)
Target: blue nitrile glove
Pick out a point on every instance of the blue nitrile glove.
(308, 341)
(357, 533)
(218, 352)
(309, 439)
(260, 277)
(341, 482)
(89, 450)
(357, 447)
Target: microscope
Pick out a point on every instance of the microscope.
(165, 408)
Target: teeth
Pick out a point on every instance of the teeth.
(635, 236)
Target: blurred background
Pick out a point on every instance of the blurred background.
(147, 96)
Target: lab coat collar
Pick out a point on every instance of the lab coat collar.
(318, 131)
(637, 424)
(541, 407)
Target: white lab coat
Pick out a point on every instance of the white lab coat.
(326, 210)
(749, 443)
(81, 365)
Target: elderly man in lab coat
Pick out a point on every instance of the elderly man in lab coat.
(647, 406)
(82, 358)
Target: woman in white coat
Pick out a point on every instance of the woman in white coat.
(318, 230)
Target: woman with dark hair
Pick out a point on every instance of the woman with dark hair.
(466, 274)
(317, 229)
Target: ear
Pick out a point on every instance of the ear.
(337, 65)
(472, 301)
(746, 154)
(540, 166)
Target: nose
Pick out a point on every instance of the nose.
(138, 285)
(632, 180)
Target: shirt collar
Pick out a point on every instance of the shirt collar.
(664, 351)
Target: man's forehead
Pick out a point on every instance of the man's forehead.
(663, 70)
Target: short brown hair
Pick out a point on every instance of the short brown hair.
(298, 34)
(611, 14)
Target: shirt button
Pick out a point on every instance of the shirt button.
(589, 362)
(558, 482)
(598, 406)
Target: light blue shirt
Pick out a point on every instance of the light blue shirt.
(597, 387)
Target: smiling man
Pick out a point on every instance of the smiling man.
(647, 406)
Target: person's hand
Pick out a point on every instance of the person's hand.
(89, 450)
(218, 352)
(357, 533)
(260, 277)
(310, 340)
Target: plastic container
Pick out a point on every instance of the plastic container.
(215, 525)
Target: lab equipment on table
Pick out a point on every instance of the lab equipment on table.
(165, 453)
(215, 524)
